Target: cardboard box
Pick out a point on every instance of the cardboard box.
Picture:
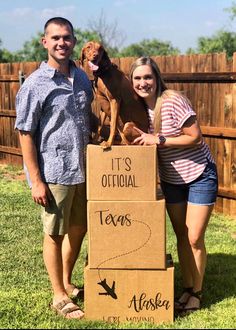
(122, 173)
(129, 295)
(127, 234)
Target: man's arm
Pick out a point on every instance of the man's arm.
(40, 191)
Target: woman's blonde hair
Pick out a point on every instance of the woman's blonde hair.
(162, 90)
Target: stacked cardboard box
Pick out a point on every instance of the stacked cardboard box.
(127, 277)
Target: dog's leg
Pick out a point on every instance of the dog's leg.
(120, 127)
(115, 107)
(102, 120)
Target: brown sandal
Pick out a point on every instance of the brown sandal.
(74, 292)
(64, 310)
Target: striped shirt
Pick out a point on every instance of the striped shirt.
(179, 165)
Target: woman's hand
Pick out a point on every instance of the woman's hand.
(145, 138)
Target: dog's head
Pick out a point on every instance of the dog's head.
(95, 55)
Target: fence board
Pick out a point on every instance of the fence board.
(219, 131)
(208, 80)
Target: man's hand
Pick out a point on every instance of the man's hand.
(41, 193)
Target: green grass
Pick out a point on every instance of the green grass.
(25, 291)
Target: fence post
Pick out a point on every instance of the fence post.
(21, 77)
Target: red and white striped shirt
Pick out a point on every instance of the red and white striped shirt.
(179, 165)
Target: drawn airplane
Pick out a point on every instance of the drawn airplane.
(109, 290)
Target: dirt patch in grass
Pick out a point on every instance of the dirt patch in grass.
(12, 172)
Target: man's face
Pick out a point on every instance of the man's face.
(59, 41)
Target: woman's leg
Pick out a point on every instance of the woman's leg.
(197, 219)
(177, 214)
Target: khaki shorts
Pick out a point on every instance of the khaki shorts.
(68, 207)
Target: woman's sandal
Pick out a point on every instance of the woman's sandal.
(183, 299)
(188, 310)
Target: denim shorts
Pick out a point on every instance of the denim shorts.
(202, 191)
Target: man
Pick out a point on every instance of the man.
(53, 119)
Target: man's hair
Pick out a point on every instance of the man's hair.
(59, 21)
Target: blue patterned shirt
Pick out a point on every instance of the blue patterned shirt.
(57, 113)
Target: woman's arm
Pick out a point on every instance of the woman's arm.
(191, 135)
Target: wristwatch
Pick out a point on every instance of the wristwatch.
(162, 139)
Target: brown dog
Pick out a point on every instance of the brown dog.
(115, 94)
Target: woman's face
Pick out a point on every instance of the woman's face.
(144, 82)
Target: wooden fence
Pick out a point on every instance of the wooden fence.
(208, 80)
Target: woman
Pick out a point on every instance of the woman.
(187, 171)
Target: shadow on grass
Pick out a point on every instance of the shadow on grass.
(220, 278)
(219, 281)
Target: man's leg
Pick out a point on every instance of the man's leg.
(53, 262)
(70, 251)
(55, 219)
(77, 229)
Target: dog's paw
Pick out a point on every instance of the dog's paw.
(105, 145)
(129, 132)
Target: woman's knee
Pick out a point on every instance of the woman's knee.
(195, 241)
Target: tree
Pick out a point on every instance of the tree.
(108, 33)
(32, 50)
(232, 10)
(5, 55)
(222, 41)
(149, 48)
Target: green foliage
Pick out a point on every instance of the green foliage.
(32, 50)
(5, 55)
(25, 291)
(232, 10)
(113, 52)
(149, 48)
(222, 41)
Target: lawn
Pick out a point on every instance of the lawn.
(25, 289)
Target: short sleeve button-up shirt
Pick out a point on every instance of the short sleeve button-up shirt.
(56, 112)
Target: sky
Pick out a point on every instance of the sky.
(180, 22)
